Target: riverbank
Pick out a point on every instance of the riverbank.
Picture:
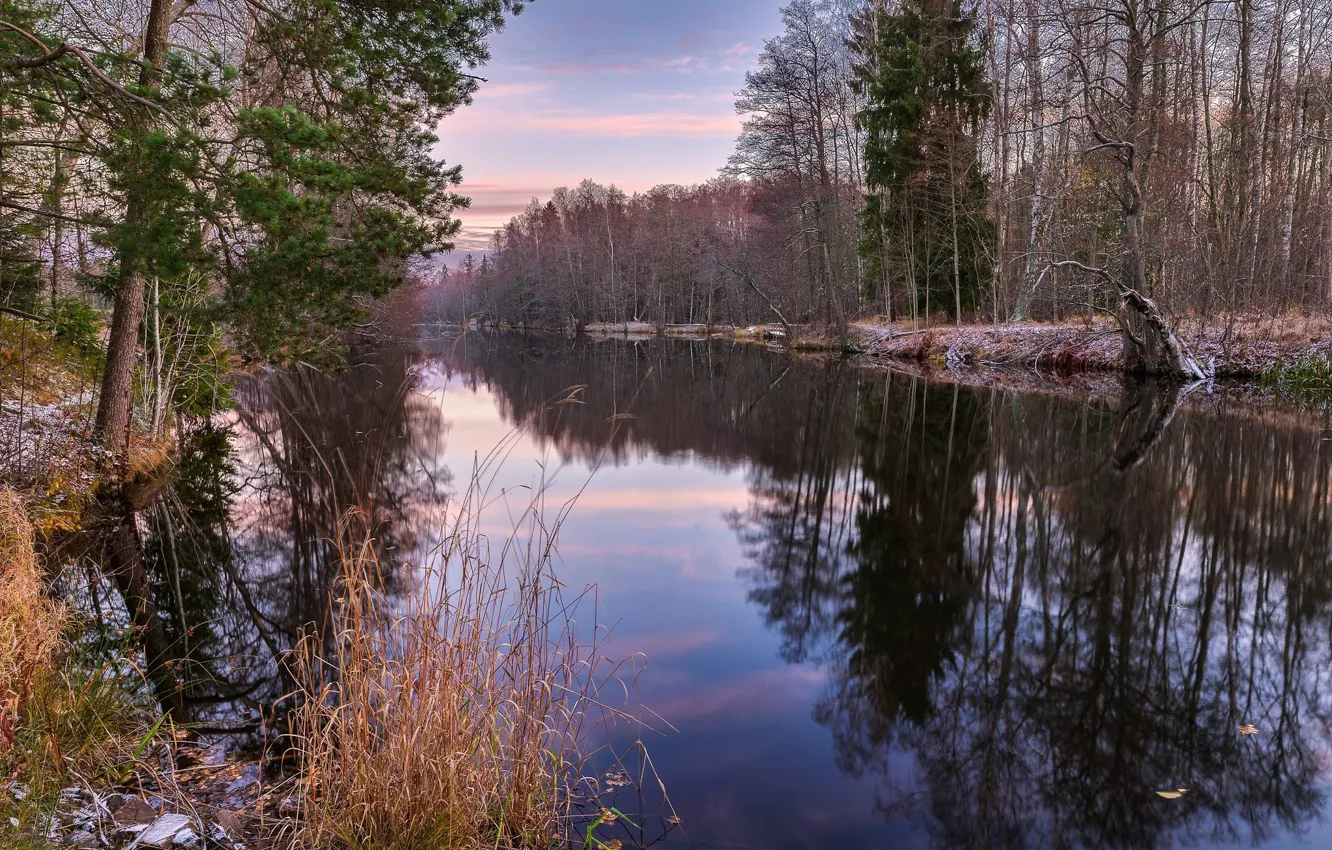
(1247, 347)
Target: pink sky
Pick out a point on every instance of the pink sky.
(630, 92)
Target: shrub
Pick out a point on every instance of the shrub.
(77, 324)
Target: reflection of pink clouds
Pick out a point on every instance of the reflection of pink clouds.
(659, 645)
(658, 500)
(770, 692)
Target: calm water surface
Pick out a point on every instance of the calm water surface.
(879, 611)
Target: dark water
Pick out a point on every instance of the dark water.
(880, 611)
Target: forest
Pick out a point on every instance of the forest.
(227, 181)
(943, 160)
(262, 580)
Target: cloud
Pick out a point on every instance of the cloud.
(493, 90)
(684, 96)
(602, 124)
(686, 64)
(472, 239)
(623, 60)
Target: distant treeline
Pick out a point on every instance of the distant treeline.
(1041, 159)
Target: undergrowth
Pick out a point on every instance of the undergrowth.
(1308, 379)
(70, 715)
(49, 362)
(460, 713)
(451, 718)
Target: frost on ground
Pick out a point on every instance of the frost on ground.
(88, 820)
(1244, 347)
(45, 449)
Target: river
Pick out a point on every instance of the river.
(860, 607)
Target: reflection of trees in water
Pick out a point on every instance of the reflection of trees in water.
(721, 401)
(795, 528)
(315, 446)
(1036, 613)
(1044, 612)
(243, 551)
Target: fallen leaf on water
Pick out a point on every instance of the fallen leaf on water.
(1248, 729)
(1172, 795)
(675, 819)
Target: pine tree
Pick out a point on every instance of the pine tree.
(925, 228)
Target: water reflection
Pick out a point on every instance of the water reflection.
(1055, 610)
(1022, 615)
(242, 549)
(1041, 612)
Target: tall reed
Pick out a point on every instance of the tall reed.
(451, 715)
(30, 624)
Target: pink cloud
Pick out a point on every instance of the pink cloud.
(490, 90)
(623, 125)
(691, 97)
(662, 645)
(762, 692)
(473, 239)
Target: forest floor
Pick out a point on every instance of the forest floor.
(1243, 348)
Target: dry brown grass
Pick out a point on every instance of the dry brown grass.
(454, 715)
(30, 624)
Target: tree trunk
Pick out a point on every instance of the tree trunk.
(124, 566)
(116, 402)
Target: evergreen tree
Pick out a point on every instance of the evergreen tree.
(293, 175)
(925, 230)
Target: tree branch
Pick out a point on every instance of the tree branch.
(10, 311)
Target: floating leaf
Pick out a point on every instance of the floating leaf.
(1172, 795)
(1248, 729)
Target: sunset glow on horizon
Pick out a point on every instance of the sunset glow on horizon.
(623, 92)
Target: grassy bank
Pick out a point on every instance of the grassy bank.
(454, 715)
(460, 707)
(1246, 347)
(73, 718)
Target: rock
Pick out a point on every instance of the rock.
(230, 823)
(112, 802)
(188, 839)
(72, 797)
(163, 831)
(241, 784)
(218, 837)
(126, 833)
(84, 840)
(133, 812)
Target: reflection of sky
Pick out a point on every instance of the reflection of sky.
(629, 92)
(748, 766)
